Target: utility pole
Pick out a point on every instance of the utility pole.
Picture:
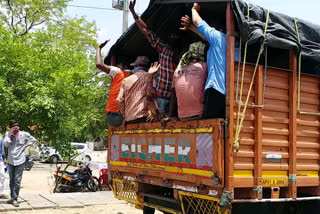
(125, 16)
(124, 6)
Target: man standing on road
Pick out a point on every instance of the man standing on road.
(16, 141)
(3, 162)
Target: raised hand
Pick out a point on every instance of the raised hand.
(131, 6)
(104, 43)
(150, 117)
(154, 68)
(196, 6)
(185, 22)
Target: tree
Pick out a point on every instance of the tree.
(22, 15)
(46, 76)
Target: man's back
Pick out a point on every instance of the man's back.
(118, 76)
(132, 99)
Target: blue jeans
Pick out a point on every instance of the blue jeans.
(162, 104)
(114, 119)
(15, 175)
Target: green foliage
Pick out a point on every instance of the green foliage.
(46, 78)
(21, 16)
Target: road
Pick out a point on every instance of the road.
(40, 180)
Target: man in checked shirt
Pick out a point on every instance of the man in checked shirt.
(166, 61)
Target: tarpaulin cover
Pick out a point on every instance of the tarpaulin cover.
(281, 32)
(164, 19)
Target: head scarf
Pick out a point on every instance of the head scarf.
(196, 51)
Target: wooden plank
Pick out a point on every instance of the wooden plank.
(258, 134)
(218, 152)
(241, 182)
(229, 100)
(292, 125)
(160, 178)
(109, 151)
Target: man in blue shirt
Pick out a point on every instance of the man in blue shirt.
(215, 87)
(2, 165)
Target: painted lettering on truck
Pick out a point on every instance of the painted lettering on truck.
(152, 148)
(190, 150)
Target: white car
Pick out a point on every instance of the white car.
(50, 154)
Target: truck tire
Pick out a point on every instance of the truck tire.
(148, 210)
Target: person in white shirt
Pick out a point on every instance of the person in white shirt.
(16, 141)
(3, 162)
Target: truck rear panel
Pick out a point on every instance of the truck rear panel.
(182, 155)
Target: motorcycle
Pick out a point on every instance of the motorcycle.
(29, 163)
(78, 180)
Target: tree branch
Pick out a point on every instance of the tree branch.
(11, 24)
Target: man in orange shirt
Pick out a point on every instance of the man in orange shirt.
(117, 75)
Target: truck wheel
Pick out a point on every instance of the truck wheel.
(148, 210)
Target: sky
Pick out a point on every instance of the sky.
(109, 22)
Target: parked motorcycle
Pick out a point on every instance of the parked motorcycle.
(79, 180)
(29, 163)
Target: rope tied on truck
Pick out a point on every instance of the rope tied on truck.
(299, 64)
(299, 75)
(241, 115)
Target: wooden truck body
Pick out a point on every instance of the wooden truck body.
(199, 166)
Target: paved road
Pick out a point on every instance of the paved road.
(29, 201)
(36, 197)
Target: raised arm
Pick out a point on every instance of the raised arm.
(153, 39)
(196, 18)
(140, 23)
(99, 62)
(152, 70)
(153, 112)
(187, 25)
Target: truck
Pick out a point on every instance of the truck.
(264, 155)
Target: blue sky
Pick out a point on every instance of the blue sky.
(109, 22)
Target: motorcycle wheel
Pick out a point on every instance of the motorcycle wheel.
(28, 166)
(93, 184)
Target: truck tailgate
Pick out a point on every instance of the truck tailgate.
(181, 155)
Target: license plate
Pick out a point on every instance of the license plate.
(274, 181)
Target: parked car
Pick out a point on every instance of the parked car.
(50, 154)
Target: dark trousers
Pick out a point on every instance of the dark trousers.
(15, 175)
(214, 104)
(114, 119)
(139, 120)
